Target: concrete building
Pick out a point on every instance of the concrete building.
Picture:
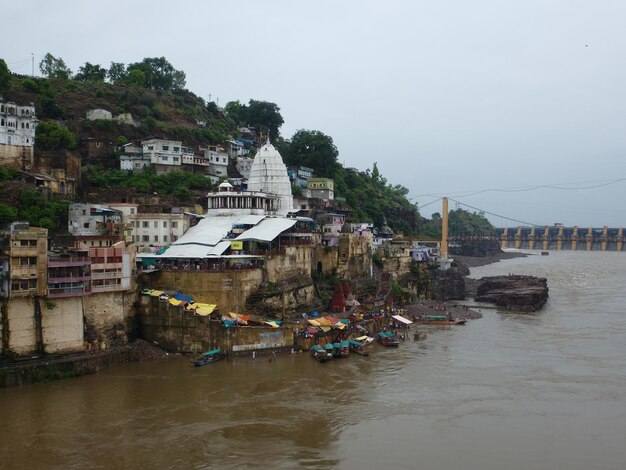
(92, 219)
(163, 152)
(153, 231)
(112, 267)
(320, 188)
(17, 135)
(132, 157)
(331, 225)
(69, 275)
(300, 175)
(218, 161)
(24, 251)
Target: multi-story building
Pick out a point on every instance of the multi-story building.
(17, 124)
(24, 259)
(163, 152)
(96, 219)
(69, 275)
(111, 267)
(218, 161)
(157, 230)
(331, 225)
(132, 157)
(320, 188)
(300, 175)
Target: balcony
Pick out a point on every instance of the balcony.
(20, 272)
(24, 251)
(68, 262)
(106, 275)
(108, 288)
(58, 292)
(59, 279)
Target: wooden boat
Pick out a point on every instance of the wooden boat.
(345, 348)
(209, 357)
(319, 353)
(358, 347)
(387, 339)
(419, 336)
(329, 350)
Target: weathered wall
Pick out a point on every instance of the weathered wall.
(228, 289)
(397, 258)
(354, 255)
(324, 260)
(179, 331)
(16, 157)
(62, 325)
(22, 337)
(29, 326)
(296, 261)
(106, 315)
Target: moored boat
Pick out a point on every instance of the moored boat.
(329, 348)
(344, 351)
(442, 320)
(357, 347)
(320, 353)
(209, 357)
(387, 339)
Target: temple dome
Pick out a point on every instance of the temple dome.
(268, 174)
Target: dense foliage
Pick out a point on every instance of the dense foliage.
(53, 136)
(176, 183)
(5, 76)
(312, 149)
(261, 115)
(38, 211)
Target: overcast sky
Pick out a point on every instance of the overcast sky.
(448, 97)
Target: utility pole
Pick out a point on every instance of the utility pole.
(32, 55)
(444, 228)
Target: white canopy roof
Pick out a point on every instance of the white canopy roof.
(267, 230)
(402, 319)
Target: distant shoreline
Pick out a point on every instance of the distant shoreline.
(477, 261)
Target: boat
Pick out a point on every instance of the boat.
(419, 336)
(387, 339)
(545, 253)
(345, 348)
(358, 347)
(320, 353)
(329, 350)
(209, 357)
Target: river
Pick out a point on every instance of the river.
(517, 391)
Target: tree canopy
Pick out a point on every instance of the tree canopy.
(5, 76)
(53, 136)
(53, 67)
(159, 74)
(312, 149)
(91, 72)
(262, 115)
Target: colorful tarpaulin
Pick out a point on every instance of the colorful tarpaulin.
(314, 322)
(325, 328)
(157, 293)
(204, 309)
(175, 302)
(272, 323)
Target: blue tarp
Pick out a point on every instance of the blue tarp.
(183, 297)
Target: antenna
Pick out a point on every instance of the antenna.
(32, 55)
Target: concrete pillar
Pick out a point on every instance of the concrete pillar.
(620, 239)
(589, 238)
(574, 238)
(444, 227)
(605, 233)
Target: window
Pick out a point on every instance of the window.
(166, 147)
(165, 238)
(174, 224)
(165, 224)
(175, 159)
(164, 159)
(156, 238)
(150, 147)
(156, 224)
(145, 224)
(145, 238)
(86, 225)
(132, 210)
(224, 160)
(176, 149)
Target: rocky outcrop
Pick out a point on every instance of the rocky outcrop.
(523, 293)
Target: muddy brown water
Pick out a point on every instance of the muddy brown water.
(516, 391)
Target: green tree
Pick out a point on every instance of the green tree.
(52, 67)
(117, 72)
(7, 214)
(236, 111)
(5, 77)
(159, 74)
(91, 72)
(313, 149)
(265, 116)
(53, 136)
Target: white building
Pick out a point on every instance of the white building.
(17, 124)
(162, 151)
(218, 161)
(153, 231)
(244, 165)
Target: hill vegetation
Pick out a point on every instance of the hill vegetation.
(154, 93)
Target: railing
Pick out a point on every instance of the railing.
(67, 292)
(59, 279)
(97, 275)
(66, 262)
(108, 288)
